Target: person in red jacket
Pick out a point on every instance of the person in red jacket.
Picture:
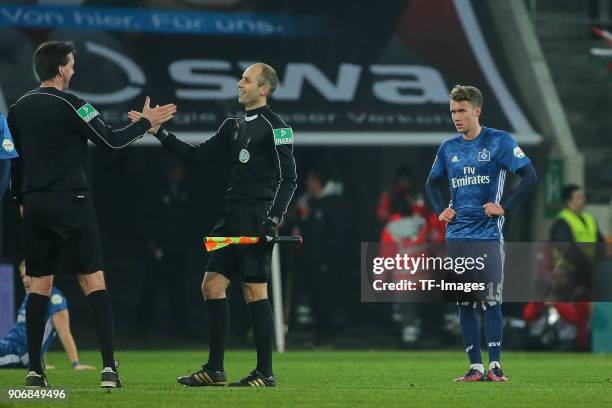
(562, 325)
(406, 232)
(402, 187)
(402, 191)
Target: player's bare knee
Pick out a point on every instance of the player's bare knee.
(41, 285)
(92, 282)
(214, 285)
(212, 290)
(254, 291)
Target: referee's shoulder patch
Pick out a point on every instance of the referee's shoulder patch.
(283, 136)
(87, 112)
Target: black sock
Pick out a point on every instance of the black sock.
(102, 316)
(36, 314)
(263, 330)
(218, 331)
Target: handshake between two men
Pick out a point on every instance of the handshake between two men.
(156, 116)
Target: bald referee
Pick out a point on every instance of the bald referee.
(260, 185)
(51, 128)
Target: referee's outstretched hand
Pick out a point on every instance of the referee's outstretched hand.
(156, 116)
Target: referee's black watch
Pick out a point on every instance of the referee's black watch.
(162, 134)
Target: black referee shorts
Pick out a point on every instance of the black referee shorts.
(61, 233)
(249, 263)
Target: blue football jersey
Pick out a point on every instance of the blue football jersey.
(476, 170)
(7, 148)
(17, 338)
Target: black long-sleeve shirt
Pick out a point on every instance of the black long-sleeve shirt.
(266, 173)
(50, 130)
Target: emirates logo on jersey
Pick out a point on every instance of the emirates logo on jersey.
(469, 178)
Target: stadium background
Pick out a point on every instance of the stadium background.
(360, 48)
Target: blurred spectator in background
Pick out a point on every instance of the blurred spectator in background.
(402, 186)
(575, 225)
(558, 325)
(14, 347)
(402, 191)
(321, 224)
(406, 232)
(164, 227)
(570, 277)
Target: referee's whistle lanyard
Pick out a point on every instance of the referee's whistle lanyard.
(244, 155)
(247, 143)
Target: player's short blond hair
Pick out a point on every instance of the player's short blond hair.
(467, 93)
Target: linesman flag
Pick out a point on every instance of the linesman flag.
(214, 243)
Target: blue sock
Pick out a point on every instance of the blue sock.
(494, 331)
(470, 330)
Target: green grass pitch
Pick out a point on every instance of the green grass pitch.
(334, 378)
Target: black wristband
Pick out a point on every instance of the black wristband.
(146, 122)
(162, 134)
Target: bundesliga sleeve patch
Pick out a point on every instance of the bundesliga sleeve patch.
(283, 136)
(56, 299)
(87, 112)
(8, 146)
(518, 152)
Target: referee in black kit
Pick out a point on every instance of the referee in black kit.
(260, 185)
(49, 180)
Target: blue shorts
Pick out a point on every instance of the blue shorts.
(10, 357)
(489, 259)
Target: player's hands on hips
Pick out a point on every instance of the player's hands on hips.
(493, 209)
(84, 367)
(269, 227)
(447, 215)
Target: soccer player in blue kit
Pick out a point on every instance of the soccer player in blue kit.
(14, 347)
(7, 152)
(476, 163)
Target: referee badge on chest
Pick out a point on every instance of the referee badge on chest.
(244, 156)
(484, 155)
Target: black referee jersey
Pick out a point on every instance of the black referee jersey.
(260, 150)
(50, 130)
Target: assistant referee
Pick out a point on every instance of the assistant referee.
(51, 128)
(261, 182)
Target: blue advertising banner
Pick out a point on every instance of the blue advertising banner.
(349, 72)
(157, 21)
